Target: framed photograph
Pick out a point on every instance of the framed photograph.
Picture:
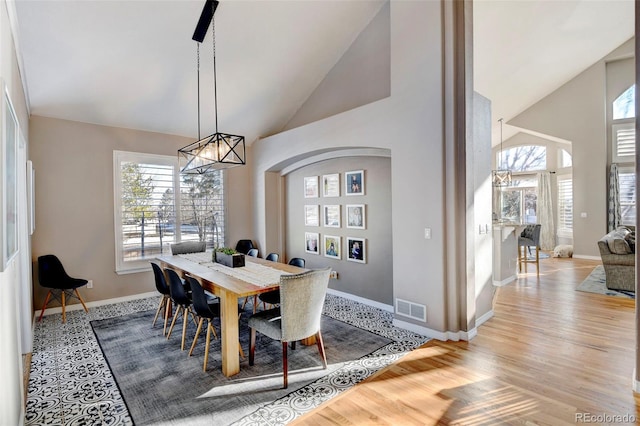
(354, 182)
(332, 216)
(331, 185)
(311, 187)
(311, 215)
(8, 181)
(356, 216)
(356, 250)
(332, 246)
(311, 242)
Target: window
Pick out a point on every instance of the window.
(149, 216)
(627, 182)
(565, 206)
(624, 105)
(519, 202)
(624, 142)
(523, 158)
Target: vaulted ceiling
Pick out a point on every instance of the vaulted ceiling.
(132, 64)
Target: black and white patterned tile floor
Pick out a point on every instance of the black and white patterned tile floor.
(71, 384)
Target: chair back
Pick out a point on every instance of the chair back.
(177, 289)
(199, 299)
(188, 247)
(51, 273)
(244, 246)
(161, 282)
(530, 235)
(297, 261)
(253, 252)
(301, 302)
(273, 257)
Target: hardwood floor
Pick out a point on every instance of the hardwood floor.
(550, 355)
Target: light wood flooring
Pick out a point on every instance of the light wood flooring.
(550, 356)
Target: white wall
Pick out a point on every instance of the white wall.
(410, 124)
(15, 281)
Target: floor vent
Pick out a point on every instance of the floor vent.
(411, 310)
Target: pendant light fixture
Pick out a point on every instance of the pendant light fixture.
(219, 150)
(501, 177)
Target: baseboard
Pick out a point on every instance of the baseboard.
(584, 256)
(506, 281)
(434, 334)
(484, 318)
(373, 303)
(78, 306)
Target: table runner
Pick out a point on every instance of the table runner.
(254, 273)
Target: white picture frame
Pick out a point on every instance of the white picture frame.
(331, 185)
(312, 242)
(356, 249)
(354, 182)
(331, 216)
(311, 215)
(331, 247)
(311, 187)
(356, 216)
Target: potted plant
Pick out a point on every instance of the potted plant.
(228, 257)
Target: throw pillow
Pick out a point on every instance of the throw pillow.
(618, 245)
(630, 238)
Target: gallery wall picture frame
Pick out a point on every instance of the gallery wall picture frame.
(331, 185)
(356, 250)
(311, 242)
(354, 182)
(8, 181)
(332, 216)
(331, 246)
(311, 215)
(311, 187)
(356, 216)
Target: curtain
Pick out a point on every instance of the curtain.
(614, 198)
(545, 212)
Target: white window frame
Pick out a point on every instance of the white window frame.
(564, 231)
(120, 157)
(626, 125)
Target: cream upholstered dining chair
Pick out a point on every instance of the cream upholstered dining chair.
(186, 247)
(298, 317)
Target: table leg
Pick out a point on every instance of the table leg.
(230, 333)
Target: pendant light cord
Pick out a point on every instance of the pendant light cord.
(215, 83)
(501, 159)
(198, 74)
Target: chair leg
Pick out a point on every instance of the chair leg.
(64, 313)
(520, 258)
(173, 321)
(81, 301)
(160, 306)
(240, 350)
(166, 315)
(206, 347)
(195, 339)
(285, 366)
(185, 321)
(252, 345)
(538, 260)
(46, 300)
(321, 349)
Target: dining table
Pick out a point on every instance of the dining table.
(230, 284)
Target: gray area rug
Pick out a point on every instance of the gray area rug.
(162, 385)
(596, 283)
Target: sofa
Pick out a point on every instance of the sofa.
(617, 250)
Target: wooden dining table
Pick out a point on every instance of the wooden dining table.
(229, 289)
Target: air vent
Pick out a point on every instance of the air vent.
(411, 310)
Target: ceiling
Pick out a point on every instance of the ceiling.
(132, 64)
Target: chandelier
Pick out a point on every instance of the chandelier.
(501, 177)
(219, 150)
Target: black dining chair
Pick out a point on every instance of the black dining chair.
(253, 252)
(273, 297)
(52, 275)
(180, 294)
(163, 289)
(273, 257)
(243, 246)
(205, 309)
